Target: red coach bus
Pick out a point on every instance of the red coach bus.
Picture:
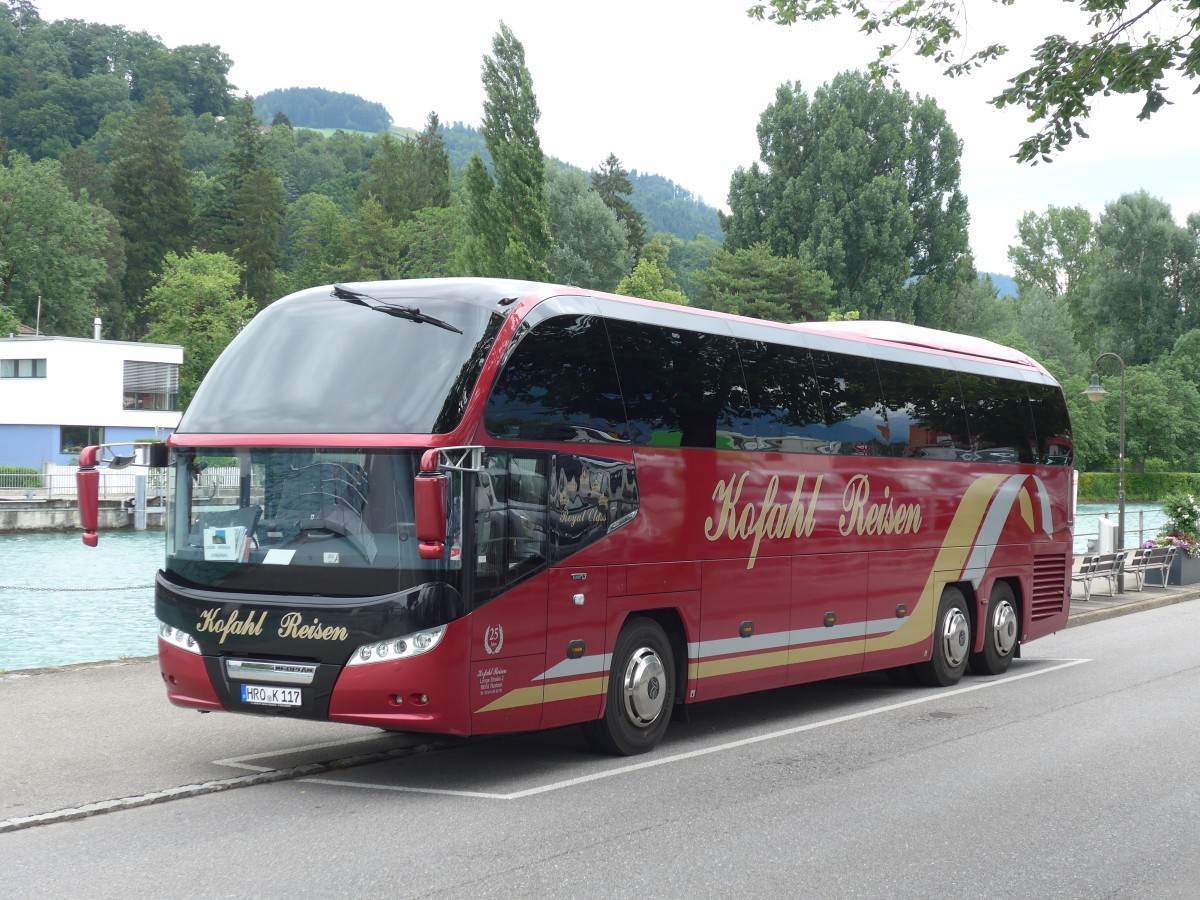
(474, 506)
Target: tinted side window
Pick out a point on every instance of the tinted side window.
(589, 498)
(1000, 419)
(925, 411)
(682, 388)
(853, 404)
(559, 384)
(511, 503)
(785, 397)
(1053, 424)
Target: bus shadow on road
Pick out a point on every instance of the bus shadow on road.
(516, 766)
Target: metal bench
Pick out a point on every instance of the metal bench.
(1099, 566)
(1150, 559)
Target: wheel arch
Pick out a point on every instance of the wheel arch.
(670, 620)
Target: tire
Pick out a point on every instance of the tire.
(641, 692)
(951, 642)
(1000, 634)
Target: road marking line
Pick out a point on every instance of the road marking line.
(310, 773)
(238, 762)
(705, 751)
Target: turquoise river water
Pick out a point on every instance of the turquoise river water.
(64, 603)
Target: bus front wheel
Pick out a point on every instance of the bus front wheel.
(641, 692)
(951, 642)
(1000, 633)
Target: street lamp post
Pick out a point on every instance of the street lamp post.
(1096, 393)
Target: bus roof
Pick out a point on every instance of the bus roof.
(925, 338)
(507, 294)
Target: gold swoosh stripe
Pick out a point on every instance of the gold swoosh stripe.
(952, 558)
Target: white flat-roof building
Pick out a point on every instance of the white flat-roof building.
(59, 394)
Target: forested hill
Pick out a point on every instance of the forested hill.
(319, 108)
(667, 206)
(663, 204)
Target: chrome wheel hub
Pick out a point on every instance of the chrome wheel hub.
(956, 637)
(1004, 628)
(644, 687)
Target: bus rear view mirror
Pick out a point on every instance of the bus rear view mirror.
(430, 494)
(87, 483)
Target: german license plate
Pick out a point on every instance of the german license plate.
(265, 695)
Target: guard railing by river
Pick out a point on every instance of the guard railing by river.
(58, 483)
(1143, 521)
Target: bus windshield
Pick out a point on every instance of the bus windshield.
(316, 364)
(335, 523)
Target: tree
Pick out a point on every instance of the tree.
(864, 182)
(651, 278)
(372, 244)
(590, 248)
(430, 167)
(317, 241)
(244, 213)
(9, 323)
(1046, 324)
(386, 180)
(1136, 297)
(260, 203)
(195, 303)
(1157, 411)
(753, 282)
(612, 183)
(1066, 76)
(1055, 249)
(405, 176)
(429, 241)
(506, 217)
(980, 312)
(690, 259)
(51, 246)
(152, 196)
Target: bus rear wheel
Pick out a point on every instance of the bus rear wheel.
(1000, 633)
(951, 642)
(641, 692)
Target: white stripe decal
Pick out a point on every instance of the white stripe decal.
(585, 665)
(1044, 502)
(993, 525)
(701, 651)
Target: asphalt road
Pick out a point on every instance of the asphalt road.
(1072, 776)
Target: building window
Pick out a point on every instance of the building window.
(151, 385)
(22, 368)
(75, 437)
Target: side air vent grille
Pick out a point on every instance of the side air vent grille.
(1049, 586)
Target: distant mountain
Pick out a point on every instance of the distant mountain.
(1004, 285)
(319, 108)
(666, 206)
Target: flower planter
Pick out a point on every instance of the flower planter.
(1184, 570)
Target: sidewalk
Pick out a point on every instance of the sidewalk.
(1102, 607)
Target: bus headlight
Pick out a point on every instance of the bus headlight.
(403, 647)
(177, 637)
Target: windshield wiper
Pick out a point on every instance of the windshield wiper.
(411, 313)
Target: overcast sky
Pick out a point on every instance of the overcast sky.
(676, 87)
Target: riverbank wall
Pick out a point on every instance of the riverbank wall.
(63, 515)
